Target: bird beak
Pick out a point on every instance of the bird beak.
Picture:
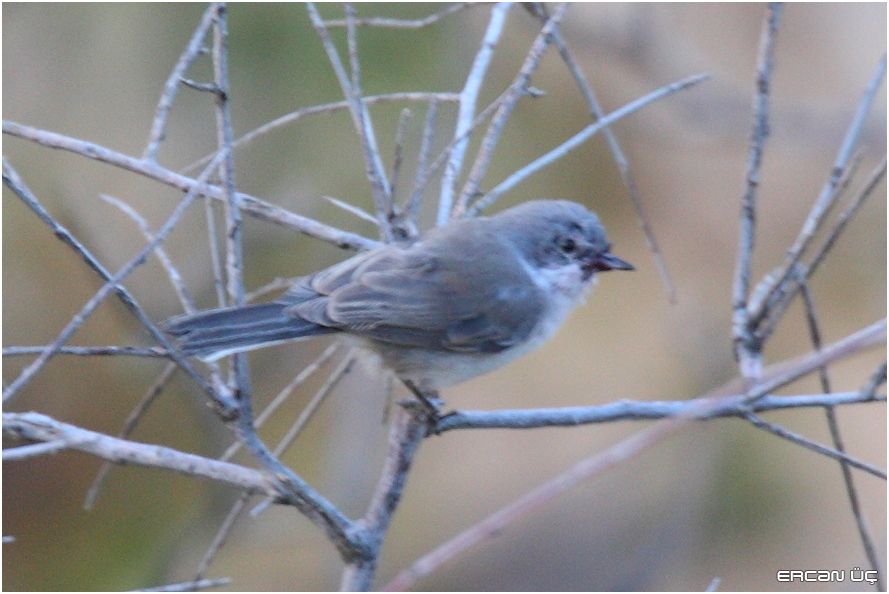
(609, 261)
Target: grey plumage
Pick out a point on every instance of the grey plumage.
(470, 287)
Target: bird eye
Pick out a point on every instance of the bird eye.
(567, 245)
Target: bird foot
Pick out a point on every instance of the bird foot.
(430, 403)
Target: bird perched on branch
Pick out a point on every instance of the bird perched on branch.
(457, 302)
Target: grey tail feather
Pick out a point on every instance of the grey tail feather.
(217, 332)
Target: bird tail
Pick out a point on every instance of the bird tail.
(216, 333)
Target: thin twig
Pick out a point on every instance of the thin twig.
(37, 427)
(88, 351)
(617, 153)
(786, 373)
(468, 99)
(781, 298)
(876, 177)
(404, 119)
(213, 247)
(513, 94)
(747, 349)
(192, 586)
(773, 283)
(632, 410)
(423, 180)
(837, 439)
(403, 23)
(277, 284)
(221, 536)
(238, 507)
(297, 115)
(405, 435)
(211, 87)
(360, 117)
(330, 383)
(182, 293)
(578, 139)
(412, 206)
(785, 433)
(157, 386)
(34, 450)
(352, 209)
(12, 180)
(171, 87)
(234, 249)
(876, 380)
(582, 471)
(301, 378)
(254, 206)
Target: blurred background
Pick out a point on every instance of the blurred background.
(720, 499)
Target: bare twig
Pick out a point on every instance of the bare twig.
(837, 439)
(617, 153)
(171, 87)
(374, 169)
(277, 284)
(351, 209)
(876, 380)
(330, 383)
(782, 297)
(411, 208)
(876, 177)
(307, 372)
(213, 247)
(539, 496)
(182, 293)
(221, 536)
(403, 120)
(34, 450)
(234, 263)
(439, 161)
(747, 349)
(815, 447)
(774, 282)
(785, 373)
(513, 94)
(468, 98)
(88, 351)
(307, 412)
(37, 427)
(11, 179)
(234, 256)
(632, 410)
(299, 114)
(582, 471)
(129, 425)
(254, 206)
(404, 23)
(203, 87)
(578, 139)
(405, 434)
(192, 586)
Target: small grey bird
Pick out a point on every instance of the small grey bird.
(459, 301)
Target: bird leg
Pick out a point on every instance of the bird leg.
(430, 401)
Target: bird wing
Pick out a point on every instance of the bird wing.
(427, 296)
